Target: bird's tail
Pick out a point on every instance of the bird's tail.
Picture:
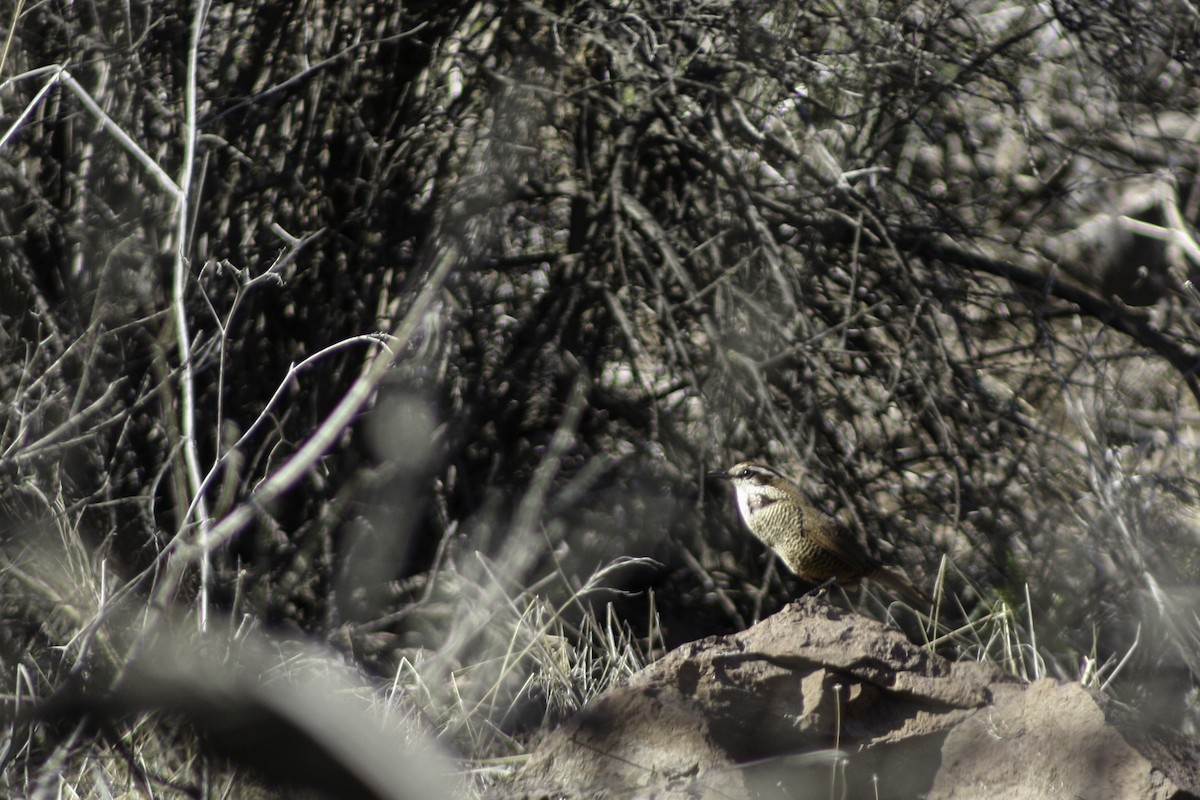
(893, 579)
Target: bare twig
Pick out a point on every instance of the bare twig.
(142, 157)
(187, 385)
(294, 469)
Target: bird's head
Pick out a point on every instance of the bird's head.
(748, 474)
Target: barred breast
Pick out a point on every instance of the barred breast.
(811, 544)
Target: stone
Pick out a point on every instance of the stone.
(817, 701)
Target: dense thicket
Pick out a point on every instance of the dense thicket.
(929, 257)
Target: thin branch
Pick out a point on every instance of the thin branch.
(322, 440)
(157, 172)
(300, 77)
(187, 386)
(1185, 360)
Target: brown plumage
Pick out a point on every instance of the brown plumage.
(814, 546)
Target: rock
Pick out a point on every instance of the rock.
(817, 702)
(1051, 739)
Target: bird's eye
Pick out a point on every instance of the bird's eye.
(744, 473)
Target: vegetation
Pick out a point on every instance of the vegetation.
(380, 350)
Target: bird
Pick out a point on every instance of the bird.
(814, 546)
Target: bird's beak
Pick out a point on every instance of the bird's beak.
(719, 473)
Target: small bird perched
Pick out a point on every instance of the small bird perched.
(812, 545)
